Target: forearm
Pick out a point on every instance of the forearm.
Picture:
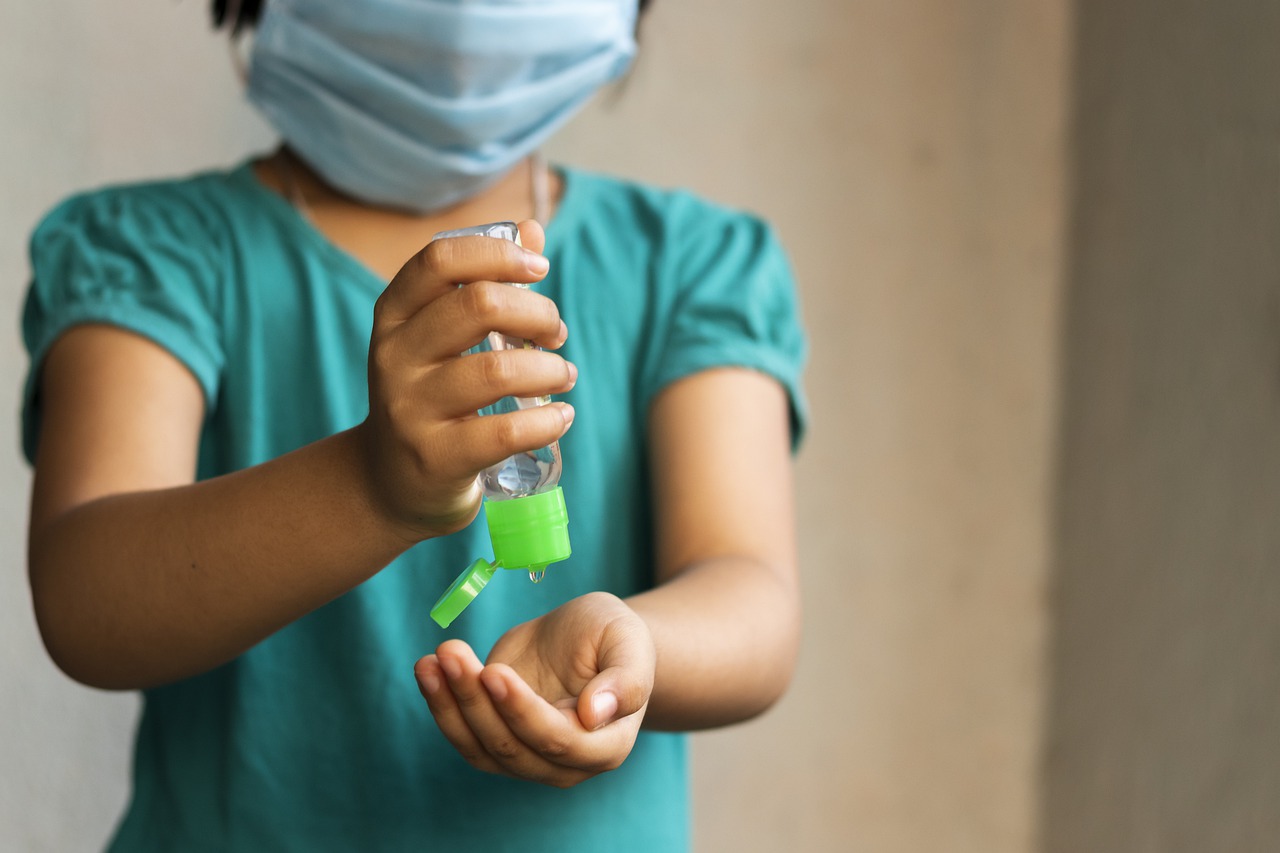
(133, 590)
(726, 632)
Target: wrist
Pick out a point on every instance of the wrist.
(358, 445)
(405, 509)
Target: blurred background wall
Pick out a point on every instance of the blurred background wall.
(89, 93)
(1163, 725)
(1036, 503)
(913, 156)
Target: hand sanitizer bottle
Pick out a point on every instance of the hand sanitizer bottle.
(523, 503)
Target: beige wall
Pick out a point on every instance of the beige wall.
(912, 156)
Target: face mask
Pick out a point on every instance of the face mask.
(419, 104)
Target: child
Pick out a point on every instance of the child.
(256, 460)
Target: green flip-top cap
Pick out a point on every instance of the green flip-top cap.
(529, 532)
(464, 589)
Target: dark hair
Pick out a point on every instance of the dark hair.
(249, 11)
(246, 15)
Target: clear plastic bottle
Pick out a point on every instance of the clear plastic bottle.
(527, 473)
(524, 505)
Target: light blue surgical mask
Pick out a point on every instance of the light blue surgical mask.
(419, 104)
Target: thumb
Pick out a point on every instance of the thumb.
(625, 680)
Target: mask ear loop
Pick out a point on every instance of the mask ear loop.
(236, 42)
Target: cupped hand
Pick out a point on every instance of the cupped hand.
(423, 442)
(560, 700)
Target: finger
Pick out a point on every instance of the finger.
(612, 695)
(626, 659)
(459, 320)
(462, 670)
(444, 709)
(451, 454)
(477, 443)
(443, 264)
(468, 384)
(429, 677)
(532, 236)
(555, 734)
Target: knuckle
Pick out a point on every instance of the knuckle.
(505, 749)
(436, 257)
(483, 300)
(382, 358)
(495, 370)
(555, 748)
(507, 431)
(471, 700)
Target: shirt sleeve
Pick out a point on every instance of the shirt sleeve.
(734, 305)
(144, 261)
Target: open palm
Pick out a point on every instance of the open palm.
(560, 699)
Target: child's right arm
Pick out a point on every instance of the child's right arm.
(141, 576)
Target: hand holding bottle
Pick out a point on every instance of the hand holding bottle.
(560, 700)
(424, 444)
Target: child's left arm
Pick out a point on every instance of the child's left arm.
(562, 697)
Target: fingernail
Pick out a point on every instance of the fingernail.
(567, 412)
(604, 705)
(537, 264)
(573, 373)
(452, 669)
(431, 683)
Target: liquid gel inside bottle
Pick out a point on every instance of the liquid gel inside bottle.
(523, 503)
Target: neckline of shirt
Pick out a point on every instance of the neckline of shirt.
(566, 211)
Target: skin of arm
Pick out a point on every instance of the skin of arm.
(562, 698)
(726, 612)
(141, 576)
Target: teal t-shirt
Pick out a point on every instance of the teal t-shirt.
(317, 738)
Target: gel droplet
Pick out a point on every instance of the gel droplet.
(537, 576)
